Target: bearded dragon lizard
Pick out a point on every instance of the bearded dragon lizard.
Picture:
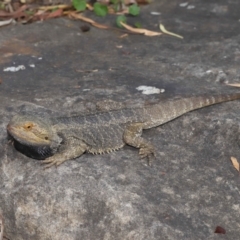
(55, 140)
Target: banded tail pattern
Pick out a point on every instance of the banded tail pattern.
(161, 113)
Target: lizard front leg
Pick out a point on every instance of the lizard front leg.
(70, 149)
(132, 137)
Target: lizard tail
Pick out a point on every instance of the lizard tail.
(204, 101)
(161, 113)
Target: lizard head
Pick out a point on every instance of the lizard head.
(32, 135)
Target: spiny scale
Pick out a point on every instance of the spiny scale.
(102, 151)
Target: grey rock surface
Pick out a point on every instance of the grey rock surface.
(192, 187)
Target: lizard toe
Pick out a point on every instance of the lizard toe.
(148, 153)
(49, 162)
(49, 165)
(145, 152)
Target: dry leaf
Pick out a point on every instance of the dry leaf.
(141, 30)
(61, 6)
(143, 1)
(163, 29)
(89, 7)
(235, 163)
(17, 14)
(128, 2)
(233, 84)
(124, 11)
(6, 22)
(98, 25)
(124, 35)
(4, 14)
(88, 20)
(57, 13)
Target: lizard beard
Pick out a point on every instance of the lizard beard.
(40, 152)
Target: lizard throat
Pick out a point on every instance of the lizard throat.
(39, 152)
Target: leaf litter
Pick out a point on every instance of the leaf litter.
(235, 163)
(13, 11)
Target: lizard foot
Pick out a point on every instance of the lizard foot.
(147, 152)
(52, 161)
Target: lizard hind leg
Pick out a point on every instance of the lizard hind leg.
(132, 137)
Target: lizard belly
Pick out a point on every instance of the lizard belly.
(103, 139)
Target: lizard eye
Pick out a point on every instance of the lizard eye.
(46, 138)
(28, 126)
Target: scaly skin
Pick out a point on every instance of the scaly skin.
(60, 139)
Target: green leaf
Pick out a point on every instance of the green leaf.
(100, 9)
(79, 5)
(134, 10)
(114, 1)
(121, 18)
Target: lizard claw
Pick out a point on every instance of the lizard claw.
(48, 163)
(51, 162)
(147, 152)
